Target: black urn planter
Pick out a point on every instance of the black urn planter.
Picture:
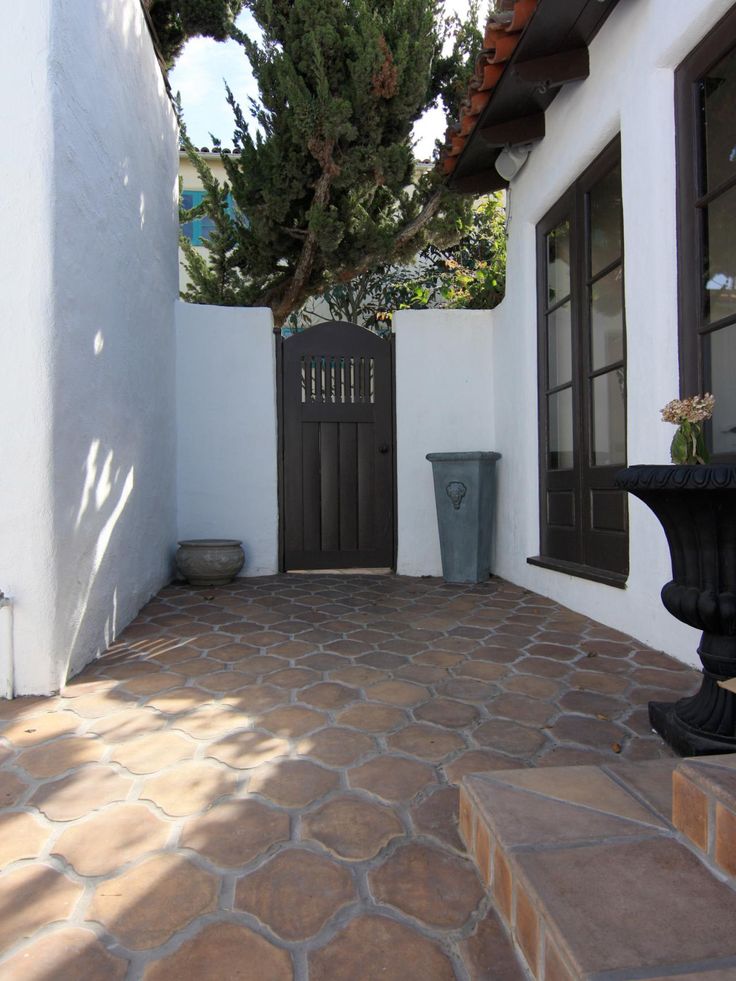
(696, 506)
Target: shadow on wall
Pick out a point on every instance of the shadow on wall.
(114, 285)
(105, 495)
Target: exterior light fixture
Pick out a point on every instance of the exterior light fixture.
(511, 159)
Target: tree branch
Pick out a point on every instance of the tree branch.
(289, 295)
(407, 233)
(299, 233)
(321, 150)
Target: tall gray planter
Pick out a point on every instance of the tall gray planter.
(464, 490)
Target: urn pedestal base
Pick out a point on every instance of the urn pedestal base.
(703, 723)
(684, 740)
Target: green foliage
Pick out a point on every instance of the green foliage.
(688, 444)
(367, 299)
(453, 72)
(175, 21)
(470, 275)
(212, 279)
(324, 179)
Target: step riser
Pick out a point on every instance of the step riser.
(527, 927)
(709, 823)
(583, 876)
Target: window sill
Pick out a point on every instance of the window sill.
(604, 576)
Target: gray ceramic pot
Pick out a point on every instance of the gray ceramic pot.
(210, 561)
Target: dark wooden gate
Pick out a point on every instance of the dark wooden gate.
(337, 449)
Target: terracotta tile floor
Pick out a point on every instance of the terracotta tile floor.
(260, 781)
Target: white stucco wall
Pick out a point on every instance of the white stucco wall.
(88, 515)
(444, 403)
(630, 90)
(227, 430)
(25, 369)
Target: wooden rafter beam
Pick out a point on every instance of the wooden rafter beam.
(482, 182)
(526, 129)
(554, 70)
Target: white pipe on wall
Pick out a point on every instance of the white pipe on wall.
(6, 647)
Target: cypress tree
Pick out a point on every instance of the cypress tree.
(175, 21)
(322, 186)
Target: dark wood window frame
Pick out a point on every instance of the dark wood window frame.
(564, 555)
(691, 235)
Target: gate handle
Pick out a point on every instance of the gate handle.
(383, 448)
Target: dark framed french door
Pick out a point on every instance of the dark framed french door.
(582, 376)
(705, 108)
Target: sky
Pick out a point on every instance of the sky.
(203, 66)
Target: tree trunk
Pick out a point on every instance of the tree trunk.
(295, 291)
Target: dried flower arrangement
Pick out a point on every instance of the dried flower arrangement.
(688, 443)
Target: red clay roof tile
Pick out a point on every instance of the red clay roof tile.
(502, 34)
(523, 10)
(491, 75)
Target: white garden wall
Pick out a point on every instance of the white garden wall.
(26, 518)
(227, 430)
(444, 403)
(87, 501)
(630, 90)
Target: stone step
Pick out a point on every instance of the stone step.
(704, 807)
(590, 877)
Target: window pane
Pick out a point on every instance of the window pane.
(187, 199)
(718, 98)
(187, 230)
(560, 430)
(609, 419)
(605, 221)
(558, 263)
(607, 320)
(720, 257)
(206, 228)
(559, 339)
(722, 351)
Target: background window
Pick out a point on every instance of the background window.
(198, 230)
